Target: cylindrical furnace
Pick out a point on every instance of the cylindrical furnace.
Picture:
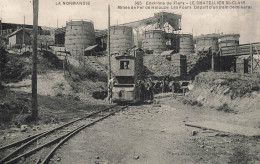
(154, 40)
(79, 35)
(229, 40)
(186, 44)
(207, 41)
(121, 39)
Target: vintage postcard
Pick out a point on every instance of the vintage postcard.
(129, 81)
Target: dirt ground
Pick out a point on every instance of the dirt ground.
(157, 134)
(149, 133)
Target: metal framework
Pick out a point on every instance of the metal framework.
(242, 50)
(159, 20)
(168, 22)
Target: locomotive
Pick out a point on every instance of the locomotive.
(127, 68)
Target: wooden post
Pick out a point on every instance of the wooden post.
(64, 60)
(23, 29)
(34, 60)
(252, 59)
(109, 90)
(235, 50)
(1, 26)
(108, 45)
(212, 62)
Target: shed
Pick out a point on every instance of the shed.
(17, 37)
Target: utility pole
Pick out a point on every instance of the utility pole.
(34, 60)
(0, 32)
(1, 26)
(212, 61)
(108, 45)
(57, 23)
(23, 28)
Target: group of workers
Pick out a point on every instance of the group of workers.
(146, 89)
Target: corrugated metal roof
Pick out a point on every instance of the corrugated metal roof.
(90, 48)
(47, 28)
(17, 31)
(169, 52)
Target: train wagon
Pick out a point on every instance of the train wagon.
(128, 70)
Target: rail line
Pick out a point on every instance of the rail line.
(62, 133)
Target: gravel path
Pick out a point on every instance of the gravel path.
(155, 135)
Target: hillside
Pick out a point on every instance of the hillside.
(234, 93)
(57, 82)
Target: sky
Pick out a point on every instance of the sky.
(246, 22)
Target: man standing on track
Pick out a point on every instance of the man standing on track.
(110, 86)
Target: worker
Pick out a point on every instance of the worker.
(174, 88)
(162, 86)
(149, 89)
(110, 86)
(142, 90)
(166, 83)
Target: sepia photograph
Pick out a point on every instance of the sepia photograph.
(129, 81)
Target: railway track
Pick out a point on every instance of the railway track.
(47, 142)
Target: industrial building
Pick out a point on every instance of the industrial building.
(157, 33)
(19, 37)
(8, 30)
